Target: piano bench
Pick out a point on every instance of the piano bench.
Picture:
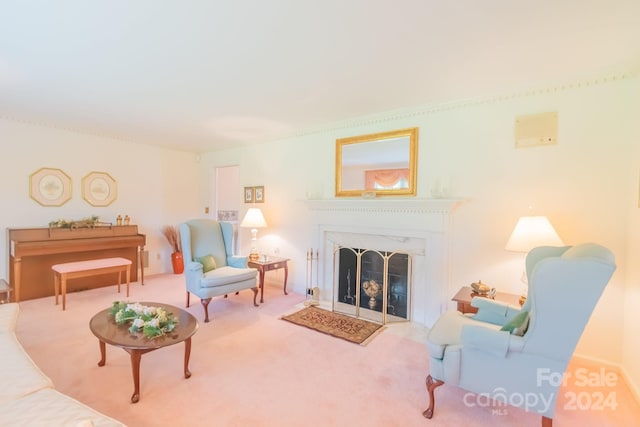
(74, 270)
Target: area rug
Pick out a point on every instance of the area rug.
(335, 324)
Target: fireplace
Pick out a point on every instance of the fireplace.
(371, 284)
(413, 233)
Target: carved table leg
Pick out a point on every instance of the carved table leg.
(187, 354)
(431, 386)
(255, 294)
(136, 355)
(103, 354)
(261, 285)
(286, 274)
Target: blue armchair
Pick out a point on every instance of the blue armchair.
(210, 268)
(515, 355)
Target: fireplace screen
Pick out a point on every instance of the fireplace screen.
(371, 284)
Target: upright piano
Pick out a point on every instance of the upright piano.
(33, 251)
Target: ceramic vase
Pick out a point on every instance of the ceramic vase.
(177, 262)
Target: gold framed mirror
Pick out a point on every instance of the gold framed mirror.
(378, 164)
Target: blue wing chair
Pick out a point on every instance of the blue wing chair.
(516, 355)
(210, 268)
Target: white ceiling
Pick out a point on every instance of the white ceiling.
(203, 75)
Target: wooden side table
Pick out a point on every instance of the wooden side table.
(266, 263)
(465, 295)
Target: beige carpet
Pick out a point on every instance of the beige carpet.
(354, 330)
(249, 368)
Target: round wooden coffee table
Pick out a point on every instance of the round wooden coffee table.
(106, 330)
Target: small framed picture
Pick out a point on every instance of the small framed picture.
(259, 194)
(248, 195)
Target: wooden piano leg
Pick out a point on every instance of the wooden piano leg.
(17, 270)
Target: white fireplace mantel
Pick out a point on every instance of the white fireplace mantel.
(388, 214)
(421, 227)
(386, 205)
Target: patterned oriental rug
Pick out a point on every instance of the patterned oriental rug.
(335, 324)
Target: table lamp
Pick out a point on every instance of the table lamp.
(531, 232)
(253, 219)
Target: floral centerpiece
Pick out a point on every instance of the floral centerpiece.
(89, 222)
(151, 321)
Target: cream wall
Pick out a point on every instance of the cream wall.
(155, 186)
(631, 343)
(586, 185)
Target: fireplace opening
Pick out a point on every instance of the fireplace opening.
(371, 284)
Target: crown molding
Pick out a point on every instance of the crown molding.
(425, 110)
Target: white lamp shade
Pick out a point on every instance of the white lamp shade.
(253, 219)
(531, 232)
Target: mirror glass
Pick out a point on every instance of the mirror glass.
(377, 164)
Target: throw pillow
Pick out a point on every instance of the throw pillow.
(518, 324)
(523, 328)
(208, 263)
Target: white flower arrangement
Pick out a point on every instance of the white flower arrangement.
(151, 321)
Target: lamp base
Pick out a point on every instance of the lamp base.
(254, 256)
